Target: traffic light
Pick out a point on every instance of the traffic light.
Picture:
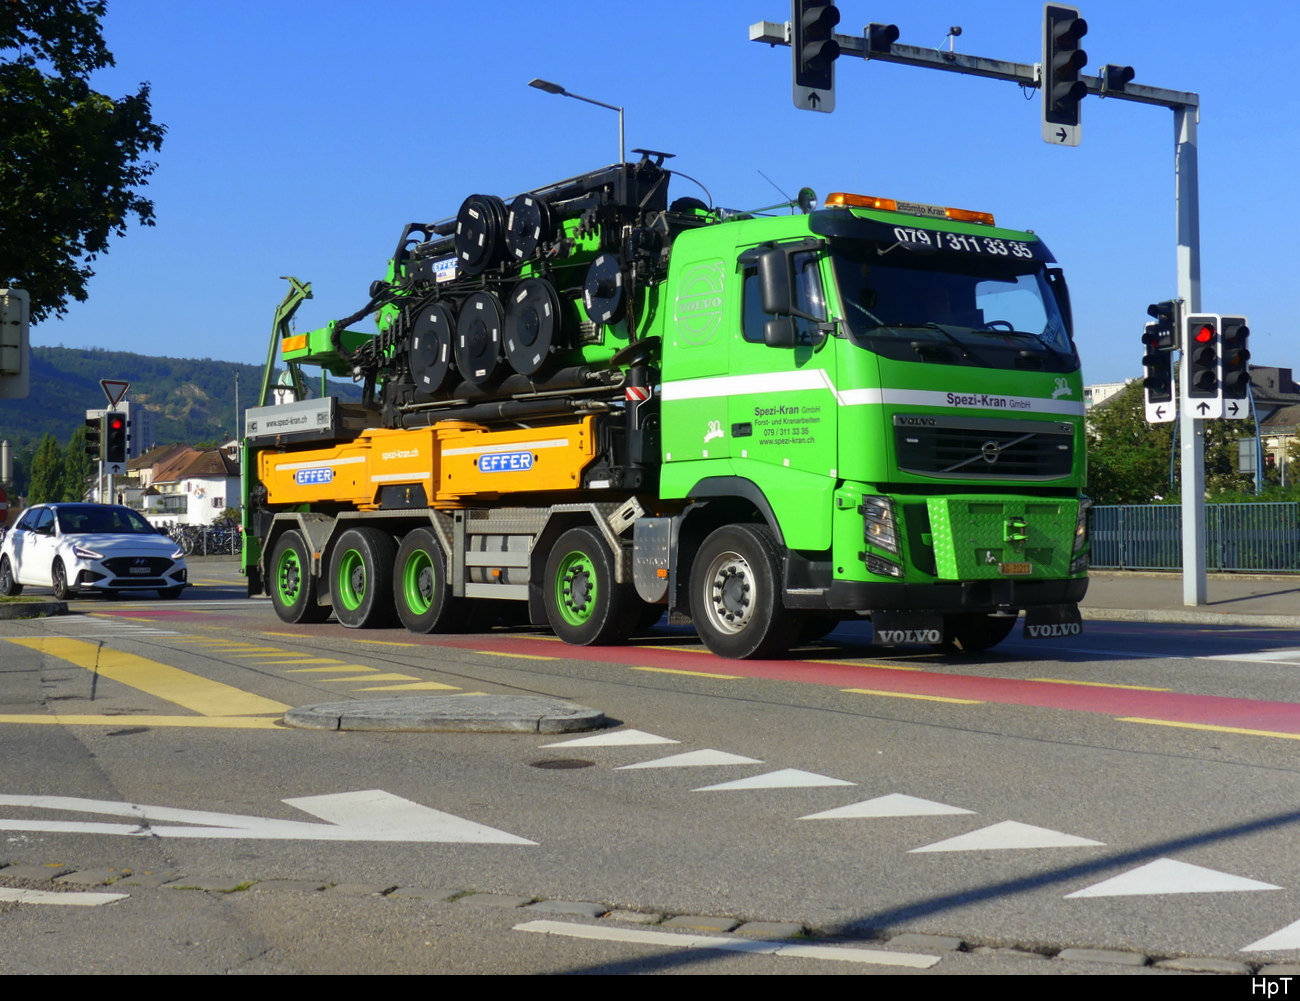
(881, 38)
(1159, 340)
(814, 51)
(1165, 329)
(94, 436)
(1063, 61)
(1201, 347)
(1235, 372)
(115, 437)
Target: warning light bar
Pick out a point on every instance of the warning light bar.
(848, 200)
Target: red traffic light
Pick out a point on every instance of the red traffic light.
(115, 423)
(1204, 334)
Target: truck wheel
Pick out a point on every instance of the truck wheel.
(972, 632)
(292, 587)
(421, 589)
(584, 604)
(736, 594)
(361, 578)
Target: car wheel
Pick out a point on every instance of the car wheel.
(9, 586)
(736, 594)
(292, 586)
(361, 578)
(62, 591)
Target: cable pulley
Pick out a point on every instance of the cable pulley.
(430, 351)
(478, 338)
(529, 224)
(533, 325)
(480, 233)
(603, 290)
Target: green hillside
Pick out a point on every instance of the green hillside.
(193, 399)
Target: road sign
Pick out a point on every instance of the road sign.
(114, 389)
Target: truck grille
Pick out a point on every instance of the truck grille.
(974, 448)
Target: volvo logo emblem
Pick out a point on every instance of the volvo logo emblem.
(990, 450)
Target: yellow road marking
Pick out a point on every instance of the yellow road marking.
(296, 636)
(883, 667)
(249, 651)
(385, 643)
(300, 660)
(132, 618)
(209, 722)
(909, 695)
(693, 674)
(346, 668)
(1207, 726)
(377, 677)
(521, 656)
(210, 698)
(1100, 684)
(419, 686)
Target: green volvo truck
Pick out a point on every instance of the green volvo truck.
(590, 405)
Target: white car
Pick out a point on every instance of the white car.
(89, 547)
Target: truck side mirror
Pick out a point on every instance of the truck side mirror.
(780, 333)
(774, 282)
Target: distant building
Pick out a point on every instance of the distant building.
(1102, 391)
(183, 484)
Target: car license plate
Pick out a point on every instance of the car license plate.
(1015, 569)
(142, 570)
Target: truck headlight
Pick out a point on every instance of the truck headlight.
(879, 527)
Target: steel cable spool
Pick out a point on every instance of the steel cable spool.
(603, 290)
(529, 224)
(430, 352)
(533, 325)
(478, 338)
(480, 233)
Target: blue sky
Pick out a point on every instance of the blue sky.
(303, 135)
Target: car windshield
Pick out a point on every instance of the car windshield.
(84, 519)
(987, 310)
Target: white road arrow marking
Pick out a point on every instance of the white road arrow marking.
(372, 815)
(1283, 938)
(1166, 875)
(1008, 834)
(896, 804)
(785, 778)
(692, 759)
(619, 738)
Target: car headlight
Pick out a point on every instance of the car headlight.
(82, 553)
(178, 554)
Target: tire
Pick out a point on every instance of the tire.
(736, 594)
(291, 584)
(584, 604)
(170, 592)
(62, 590)
(9, 586)
(973, 632)
(421, 590)
(361, 578)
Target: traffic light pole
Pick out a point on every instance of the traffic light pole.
(1192, 432)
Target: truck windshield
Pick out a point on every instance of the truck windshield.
(993, 312)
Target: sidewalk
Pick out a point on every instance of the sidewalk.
(1232, 599)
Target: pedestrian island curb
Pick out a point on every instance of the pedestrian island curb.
(450, 714)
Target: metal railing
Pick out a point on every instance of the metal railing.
(1260, 537)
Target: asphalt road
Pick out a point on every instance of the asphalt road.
(1132, 790)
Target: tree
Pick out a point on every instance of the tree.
(1128, 459)
(71, 158)
(47, 472)
(79, 469)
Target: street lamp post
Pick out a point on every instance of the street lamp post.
(555, 88)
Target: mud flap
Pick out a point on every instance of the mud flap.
(892, 628)
(1052, 621)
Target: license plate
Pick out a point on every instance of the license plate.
(145, 571)
(1015, 569)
